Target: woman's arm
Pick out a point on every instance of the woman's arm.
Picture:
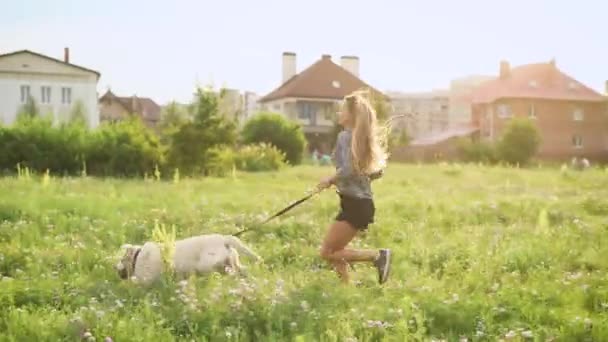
(342, 161)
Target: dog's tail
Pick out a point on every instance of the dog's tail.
(237, 244)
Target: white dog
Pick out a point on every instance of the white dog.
(194, 255)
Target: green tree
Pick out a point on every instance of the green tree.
(278, 131)
(190, 144)
(520, 141)
(172, 117)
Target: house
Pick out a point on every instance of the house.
(56, 86)
(459, 102)
(572, 118)
(312, 96)
(116, 108)
(428, 112)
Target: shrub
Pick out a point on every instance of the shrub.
(275, 129)
(259, 157)
(252, 158)
(126, 148)
(123, 149)
(477, 151)
(35, 143)
(519, 142)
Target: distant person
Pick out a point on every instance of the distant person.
(325, 159)
(315, 157)
(359, 158)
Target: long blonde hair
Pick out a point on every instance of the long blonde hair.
(369, 140)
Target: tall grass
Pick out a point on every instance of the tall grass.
(483, 253)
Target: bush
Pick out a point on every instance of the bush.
(259, 157)
(123, 149)
(477, 151)
(275, 129)
(251, 158)
(126, 148)
(519, 142)
(36, 144)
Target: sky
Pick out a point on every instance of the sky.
(163, 49)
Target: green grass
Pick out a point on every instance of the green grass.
(479, 252)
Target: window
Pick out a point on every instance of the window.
(532, 112)
(330, 113)
(578, 114)
(306, 111)
(577, 141)
(45, 94)
(25, 93)
(66, 95)
(504, 111)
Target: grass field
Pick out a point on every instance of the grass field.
(480, 253)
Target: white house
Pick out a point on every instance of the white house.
(55, 85)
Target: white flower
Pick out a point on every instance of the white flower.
(527, 334)
(511, 334)
(293, 325)
(304, 305)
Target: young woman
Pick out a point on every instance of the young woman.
(359, 158)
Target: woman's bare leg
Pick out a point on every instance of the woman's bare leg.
(333, 250)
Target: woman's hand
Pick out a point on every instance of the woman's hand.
(325, 183)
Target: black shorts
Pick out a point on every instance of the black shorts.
(359, 212)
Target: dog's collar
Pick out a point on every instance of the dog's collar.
(135, 258)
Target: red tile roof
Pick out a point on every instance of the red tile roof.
(323, 79)
(541, 80)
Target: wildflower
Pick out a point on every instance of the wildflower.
(527, 334)
(108, 339)
(304, 305)
(588, 322)
(511, 334)
(293, 325)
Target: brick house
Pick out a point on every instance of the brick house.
(572, 118)
(115, 108)
(311, 97)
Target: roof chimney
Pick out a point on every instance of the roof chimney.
(66, 54)
(326, 56)
(351, 64)
(505, 69)
(289, 65)
(552, 63)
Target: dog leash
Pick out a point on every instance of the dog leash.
(284, 210)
